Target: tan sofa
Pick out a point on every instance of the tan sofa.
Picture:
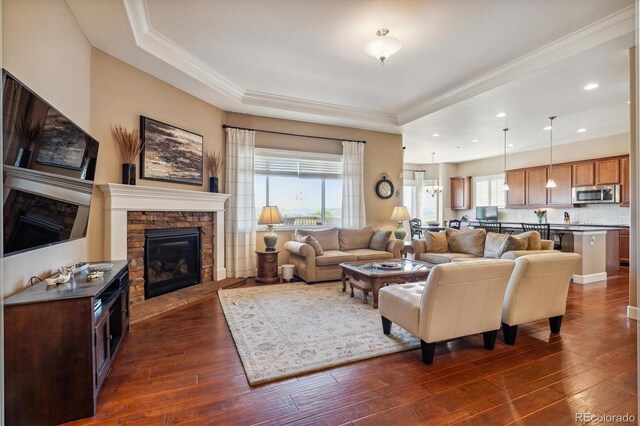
(339, 245)
(454, 245)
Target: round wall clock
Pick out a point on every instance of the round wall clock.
(384, 188)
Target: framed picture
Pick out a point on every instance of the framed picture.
(62, 143)
(169, 153)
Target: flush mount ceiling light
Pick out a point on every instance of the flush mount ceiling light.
(435, 135)
(501, 114)
(474, 141)
(591, 86)
(581, 130)
(506, 185)
(382, 46)
(551, 183)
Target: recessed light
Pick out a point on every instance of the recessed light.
(475, 140)
(581, 130)
(435, 135)
(547, 128)
(510, 144)
(501, 114)
(591, 86)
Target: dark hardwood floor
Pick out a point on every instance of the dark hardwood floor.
(183, 367)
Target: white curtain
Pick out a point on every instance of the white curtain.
(353, 213)
(240, 222)
(419, 178)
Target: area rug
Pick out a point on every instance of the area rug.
(285, 330)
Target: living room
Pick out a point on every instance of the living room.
(91, 63)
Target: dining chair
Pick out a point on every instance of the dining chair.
(491, 226)
(543, 228)
(415, 225)
(454, 223)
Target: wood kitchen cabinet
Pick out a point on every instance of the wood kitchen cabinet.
(461, 193)
(535, 184)
(624, 247)
(584, 173)
(607, 171)
(624, 182)
(516, 196)
(561, 194)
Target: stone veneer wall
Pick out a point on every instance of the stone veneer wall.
(137, 222)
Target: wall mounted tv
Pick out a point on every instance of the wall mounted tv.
(487, 213)
(48, 170)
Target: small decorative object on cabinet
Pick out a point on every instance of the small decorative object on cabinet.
(461, 193)
(267, 267)
(401, 215)
(213, 164)
(129, 148)
(270, 216)
(59, 345)
(384, 188)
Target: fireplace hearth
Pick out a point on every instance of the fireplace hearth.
(171, 260)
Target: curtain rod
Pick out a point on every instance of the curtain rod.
(224, 126)
(412, 170)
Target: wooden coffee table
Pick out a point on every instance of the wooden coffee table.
(411, 271)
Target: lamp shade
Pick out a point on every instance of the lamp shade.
(400, 214)
(270, 215)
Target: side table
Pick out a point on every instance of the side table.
(406, 249)
(267, 267)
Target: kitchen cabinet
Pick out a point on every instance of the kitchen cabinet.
(624, 247)
(607, 171)
(561, 194)
(535, 184)
(461, 193)
(584, 173)
(516, 193)
(624, 182)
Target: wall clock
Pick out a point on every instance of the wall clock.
(384, 188)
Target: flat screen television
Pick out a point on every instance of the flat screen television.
(487, 213)
(48, 168)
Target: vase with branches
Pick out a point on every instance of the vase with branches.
(213, 165)
(541, 215)
(129, 148)
(27, 134)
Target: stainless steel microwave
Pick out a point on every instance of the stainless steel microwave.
(595, 194)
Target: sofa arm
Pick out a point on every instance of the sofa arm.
(419, 246)
(514, 254)
(301, 249)
(395, 247)
(546, 245)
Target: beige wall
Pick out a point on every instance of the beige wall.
(44, 47)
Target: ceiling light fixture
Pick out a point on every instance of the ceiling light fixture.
(591, 86)
(510, 145)
(501, 114)
(581, 130)
(547, 128)
(435, 135)
(434, 189)
(382, 46)
(474, 141)
(506, 185)
(551, 183)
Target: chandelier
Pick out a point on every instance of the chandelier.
(434, 189)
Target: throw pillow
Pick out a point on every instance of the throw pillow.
(308, 239)
(493, 245)
(355, 238)
(470, 241)
(512, 243)
(379, 240)
(533, 239)
(436, 242)
(328, 238)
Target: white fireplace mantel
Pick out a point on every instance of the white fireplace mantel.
(120, 199)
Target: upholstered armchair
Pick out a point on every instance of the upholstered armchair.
(537, 290)
(458, 299)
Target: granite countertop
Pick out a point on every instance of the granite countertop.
(571, 227)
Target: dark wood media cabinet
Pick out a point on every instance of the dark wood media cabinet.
(58, 349)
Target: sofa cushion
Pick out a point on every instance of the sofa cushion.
(493, 245)
(533, 239)
(402, 303)
(308, 239)
(379, 240)
(327, 238)
(355, 238)
(513, 243)
(334, 257)
(470, 241)
(436, 242)
(438, 258)
(369, 254)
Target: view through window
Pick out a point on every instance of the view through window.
(429, 203)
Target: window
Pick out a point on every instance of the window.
(428, 204)
(489, 190)
(306, 187)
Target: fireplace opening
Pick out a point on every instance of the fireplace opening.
(171, 260)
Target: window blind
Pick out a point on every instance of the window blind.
(277, 162)
(488, 191)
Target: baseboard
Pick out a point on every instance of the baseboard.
(633, 312)
(590, 278)
(219, 274)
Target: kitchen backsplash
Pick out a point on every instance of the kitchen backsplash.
(598, 214)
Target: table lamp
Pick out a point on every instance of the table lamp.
(269, 216)
(401, 214)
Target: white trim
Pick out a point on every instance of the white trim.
(289, 153)
(589, 278)
(633, 312)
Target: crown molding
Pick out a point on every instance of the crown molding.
(606, 29)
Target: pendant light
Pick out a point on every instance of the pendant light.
(506, 185)
(551, 183)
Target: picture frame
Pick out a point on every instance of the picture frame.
(170, 154)
(62, 143)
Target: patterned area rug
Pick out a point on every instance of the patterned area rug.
(285, 330)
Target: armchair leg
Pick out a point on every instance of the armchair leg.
(428, 350)
(555, 323)
(490, 339)
(386, 325)
(509, 332)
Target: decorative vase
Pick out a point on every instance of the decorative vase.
(270, 239)
(129, 174)
(22, 159)
(400, 233)
(213, 184)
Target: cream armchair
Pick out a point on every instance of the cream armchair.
(458, 299)
(537, 290)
